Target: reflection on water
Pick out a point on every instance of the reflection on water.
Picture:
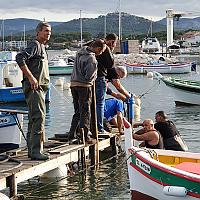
(110, 181)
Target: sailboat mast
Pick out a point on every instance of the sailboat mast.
(3, 36)
(24, 36)
(105, 26)
(120, 20)
(81, 27)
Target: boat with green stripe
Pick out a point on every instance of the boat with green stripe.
(186, 92)
(157, 174)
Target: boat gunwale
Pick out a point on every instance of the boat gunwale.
(164, 167)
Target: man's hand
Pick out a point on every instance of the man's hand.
(33, 82)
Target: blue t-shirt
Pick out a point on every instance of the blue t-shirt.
(112, 106)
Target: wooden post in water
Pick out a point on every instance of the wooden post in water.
(83, 157)
(11, 183)
(94, 151)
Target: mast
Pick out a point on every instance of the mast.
(81, 27)
(105, 26)
(3, 36)
(120, 29)
(24, 36)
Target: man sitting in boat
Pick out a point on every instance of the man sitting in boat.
(171, 136)
(148, 134)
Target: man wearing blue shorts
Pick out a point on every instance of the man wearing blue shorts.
(113, 113)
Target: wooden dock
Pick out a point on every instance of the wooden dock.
(19, 167)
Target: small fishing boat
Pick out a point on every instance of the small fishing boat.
(163, 68)
(11, 122)
(186, 92)
(61, 70)
(10, 79)
(61, 66)
(157, 174)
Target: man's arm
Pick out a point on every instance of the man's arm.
(32, 80)
(148, 136)
(120, 88)
(120, 122)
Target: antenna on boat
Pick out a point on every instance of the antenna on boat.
(81, 27)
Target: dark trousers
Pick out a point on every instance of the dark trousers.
(82, 97)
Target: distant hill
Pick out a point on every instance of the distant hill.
(13, 26)
(131, 25)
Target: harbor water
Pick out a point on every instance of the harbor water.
(110, 181)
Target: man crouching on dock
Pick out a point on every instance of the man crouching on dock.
(34, 65)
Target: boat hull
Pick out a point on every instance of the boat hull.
(10, 134)
(61, 70)
(184, 94)
(15, 94)
(148, 178)
(162, 68)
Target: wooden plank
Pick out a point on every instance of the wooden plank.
(46, 166)
(66, 149)
(104, 135)
(2, 183)
(104, 144)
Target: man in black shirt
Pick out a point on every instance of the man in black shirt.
(171, 137)
(105, 61)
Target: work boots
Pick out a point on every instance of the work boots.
(37, 147)
(29, 143)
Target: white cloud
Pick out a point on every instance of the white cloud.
(63, 10)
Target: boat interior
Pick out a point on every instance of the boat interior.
(186, 161)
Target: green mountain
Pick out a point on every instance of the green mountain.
(131, 25)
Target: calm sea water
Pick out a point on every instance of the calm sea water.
(111, 180)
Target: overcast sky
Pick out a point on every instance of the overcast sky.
(65, 10)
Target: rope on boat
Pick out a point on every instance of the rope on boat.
(19, 125)
(59, 93)
(7, 158)
(148, 91)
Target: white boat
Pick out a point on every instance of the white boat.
(61, 70)
(60, 66)
(150, 45)
(156, 174)
(163, 68)
(186, 92)
(57, 62)
(11, 122)
(10, 79)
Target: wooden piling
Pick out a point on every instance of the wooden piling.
(94, 152)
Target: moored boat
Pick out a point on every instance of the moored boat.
(186, 92)
(10, 129)
(61, 70)
(10, 79)
(60, 66)
(157, 174)
(163, 68)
